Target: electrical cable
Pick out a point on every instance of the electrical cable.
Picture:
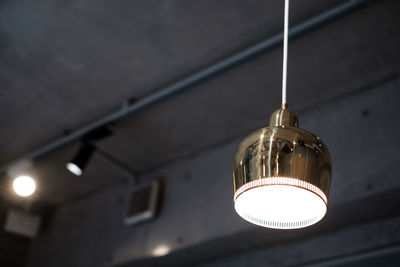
(285, 51)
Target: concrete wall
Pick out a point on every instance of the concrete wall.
(197, 221)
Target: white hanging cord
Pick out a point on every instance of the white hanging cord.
(285, 51)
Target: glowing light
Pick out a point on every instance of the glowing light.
(280, 202)
(74, 169)
(77, 165)
(161, 250)
(24, 186)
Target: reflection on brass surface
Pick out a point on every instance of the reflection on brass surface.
(282, 150)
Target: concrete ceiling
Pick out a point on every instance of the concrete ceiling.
(64, 64)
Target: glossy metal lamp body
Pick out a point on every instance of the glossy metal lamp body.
(282, 175)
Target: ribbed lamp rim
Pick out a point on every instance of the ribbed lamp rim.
(281, 180)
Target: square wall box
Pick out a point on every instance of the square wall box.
(22, 223)
(142, 203)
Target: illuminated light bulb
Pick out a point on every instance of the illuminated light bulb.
(281, 205)
(161, 250)
(24, 186)
(73, 168)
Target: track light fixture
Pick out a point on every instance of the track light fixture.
(81, 159)
(282, 173)
(78, 163)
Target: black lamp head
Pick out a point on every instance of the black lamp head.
(81, 159)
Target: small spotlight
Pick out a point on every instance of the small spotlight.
(161, 250)
(72, 167)
(81, 159)
(24, 186)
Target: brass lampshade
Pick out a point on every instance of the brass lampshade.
(282, 175)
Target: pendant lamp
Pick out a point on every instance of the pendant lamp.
(282, 173)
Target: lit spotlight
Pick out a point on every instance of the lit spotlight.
(81, 159)
(24, 186)
(161, 250)
(72, 167)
